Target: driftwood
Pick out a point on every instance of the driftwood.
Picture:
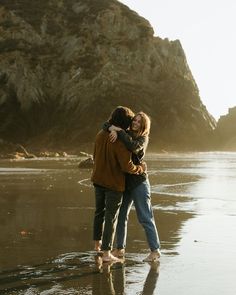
(14, 151)
(23, 152)
(9, 150)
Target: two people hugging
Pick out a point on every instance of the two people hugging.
(120, 179)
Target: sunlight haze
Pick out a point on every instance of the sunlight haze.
(206, 32)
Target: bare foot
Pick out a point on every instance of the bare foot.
(153, 256)
(97, 245)
(120, 253)
(110, 258)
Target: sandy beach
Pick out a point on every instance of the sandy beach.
(46, 217)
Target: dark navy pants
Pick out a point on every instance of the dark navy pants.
(105, 218)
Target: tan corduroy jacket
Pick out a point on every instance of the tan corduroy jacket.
(111, 162)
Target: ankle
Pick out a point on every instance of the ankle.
(155, 252)
(106, 253)
(119, 252)
(97, 245)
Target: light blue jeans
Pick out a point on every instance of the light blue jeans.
(141, 197)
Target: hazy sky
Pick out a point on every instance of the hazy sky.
(206, 30)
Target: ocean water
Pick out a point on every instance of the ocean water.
(46, 214)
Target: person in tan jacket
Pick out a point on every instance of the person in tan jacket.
(111, 162)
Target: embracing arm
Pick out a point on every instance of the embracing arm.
(112, 129)
(109, 127)
(133, 145)
(126, 163)
(106, 126)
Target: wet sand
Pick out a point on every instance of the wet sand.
(46, 212)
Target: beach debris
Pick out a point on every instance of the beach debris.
(25, 233)
(21, 153)
(87, 163)
(50, 187)
(85, 154)
(48, 154)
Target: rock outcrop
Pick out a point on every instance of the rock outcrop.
(225, 133)
(65, 64)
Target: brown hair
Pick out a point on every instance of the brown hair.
(121, 117)
(145, 124)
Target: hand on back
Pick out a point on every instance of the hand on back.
(113, 136)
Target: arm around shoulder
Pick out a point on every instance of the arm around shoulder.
(135, 145)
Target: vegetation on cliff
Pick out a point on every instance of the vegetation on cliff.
(64, 65)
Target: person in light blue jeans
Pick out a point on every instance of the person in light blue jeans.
(137, 190)
(140, 196)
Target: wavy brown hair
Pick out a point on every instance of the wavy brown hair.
(145, 124)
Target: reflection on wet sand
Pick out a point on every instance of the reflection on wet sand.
(80, 273)
(111, 279)
(46, 211)
(115, 279)
(49, 213)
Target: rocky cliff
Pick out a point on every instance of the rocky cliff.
(225, 133)
(65, 64)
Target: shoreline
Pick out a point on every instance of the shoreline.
(47, 216)
(9, 150)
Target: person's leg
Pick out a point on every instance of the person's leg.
(98, 217)
(113, 202)
(142, 201)
(121, 229)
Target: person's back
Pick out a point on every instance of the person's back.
(111, 161)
